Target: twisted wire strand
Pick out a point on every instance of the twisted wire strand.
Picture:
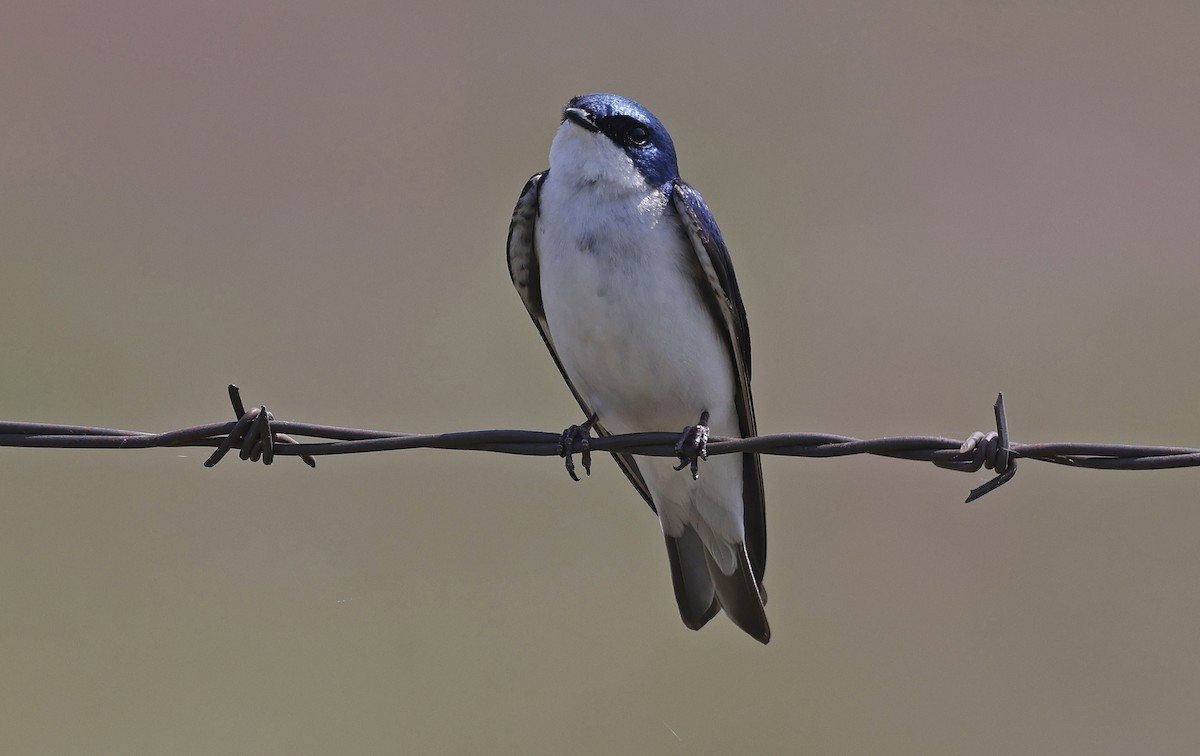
(258, 436)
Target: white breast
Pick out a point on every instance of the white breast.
(624, 314)
(631, 329)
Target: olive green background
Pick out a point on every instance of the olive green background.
(926, 203)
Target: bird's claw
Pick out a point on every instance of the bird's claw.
(566, 445)
(692, 446)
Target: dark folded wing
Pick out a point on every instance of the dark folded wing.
(719, 287)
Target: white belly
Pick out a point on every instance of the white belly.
(638, 344)
(629, 325)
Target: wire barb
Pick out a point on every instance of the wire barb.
(999, 456)
(254, 430)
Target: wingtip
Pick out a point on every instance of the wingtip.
(740, 597)
(765, 638)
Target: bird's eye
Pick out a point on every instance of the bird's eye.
(637, 136)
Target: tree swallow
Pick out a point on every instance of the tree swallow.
(628, 280)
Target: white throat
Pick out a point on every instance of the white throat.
(582, 158)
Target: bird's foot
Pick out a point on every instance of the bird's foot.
(693, 446)
(566, 446)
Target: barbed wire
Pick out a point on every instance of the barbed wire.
(260, 437)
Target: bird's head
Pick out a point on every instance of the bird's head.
(612, 143)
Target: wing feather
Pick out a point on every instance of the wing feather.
(720, 288)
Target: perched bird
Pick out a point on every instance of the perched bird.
(626, 276)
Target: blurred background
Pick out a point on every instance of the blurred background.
(926, 203)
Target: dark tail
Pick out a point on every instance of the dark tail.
(701, 588)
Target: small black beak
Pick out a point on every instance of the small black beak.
(580, 117)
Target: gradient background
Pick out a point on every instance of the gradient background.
(926, 203)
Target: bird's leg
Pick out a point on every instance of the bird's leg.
(693, 446)
(566, 445)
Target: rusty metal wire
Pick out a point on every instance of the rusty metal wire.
(259, 436)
